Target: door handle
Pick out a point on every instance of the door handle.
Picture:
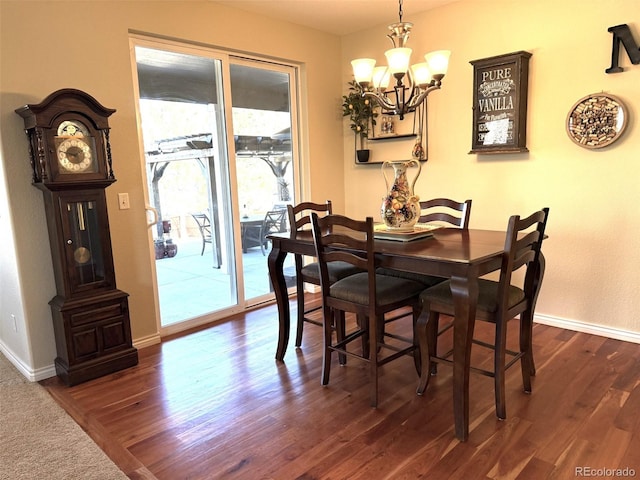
(154, 212)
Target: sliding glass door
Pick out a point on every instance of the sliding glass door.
(262, 123)
(219, 162)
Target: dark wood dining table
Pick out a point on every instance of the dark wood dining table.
(460, 255)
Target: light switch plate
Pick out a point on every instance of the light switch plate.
(123, 201)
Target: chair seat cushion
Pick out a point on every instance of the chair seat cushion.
(426, 280)
(355, 289)
(487, 295)
(337, 270)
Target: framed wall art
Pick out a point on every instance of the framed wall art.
(500, 86)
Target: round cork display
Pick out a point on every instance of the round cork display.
(596, 120)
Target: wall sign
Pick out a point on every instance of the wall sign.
(622, 34)
(500, 87)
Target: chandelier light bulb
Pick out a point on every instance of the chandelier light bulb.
(438, 61)
(363, 69)
(381, 77)
(398, 60)
(421, 74)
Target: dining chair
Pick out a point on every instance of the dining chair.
(204, 225)
(443, 211)
(367, 294)
(300, 219)
(498, 302)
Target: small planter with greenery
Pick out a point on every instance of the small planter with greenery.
(361, 113)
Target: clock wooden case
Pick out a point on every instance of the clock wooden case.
(70, 157)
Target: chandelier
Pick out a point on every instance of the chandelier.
(422, 78)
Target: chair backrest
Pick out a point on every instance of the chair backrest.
(203, 224)
(299, 215)
(446, 210)
(522, 249)
(275, 221)
(342, 239)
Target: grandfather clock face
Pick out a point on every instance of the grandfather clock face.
(75, 148)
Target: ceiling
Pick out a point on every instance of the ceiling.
(339, 17)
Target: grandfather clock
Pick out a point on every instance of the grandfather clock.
(70, 157)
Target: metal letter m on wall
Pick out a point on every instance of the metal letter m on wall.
(622, 34)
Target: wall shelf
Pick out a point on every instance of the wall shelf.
(385, 146)
(381, 162)
(392, 137)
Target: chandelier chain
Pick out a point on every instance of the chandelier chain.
(400, 10)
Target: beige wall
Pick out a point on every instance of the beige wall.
(593, 249)
(45, 46)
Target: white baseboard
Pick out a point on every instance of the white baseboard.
(30, 374)
(44, 373)
(147, 341)
(600, 330)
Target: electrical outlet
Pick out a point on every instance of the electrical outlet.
(123, 201)
(15, 323)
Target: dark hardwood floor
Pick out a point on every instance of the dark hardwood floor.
(215, 404)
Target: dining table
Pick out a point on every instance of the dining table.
(461, 255)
